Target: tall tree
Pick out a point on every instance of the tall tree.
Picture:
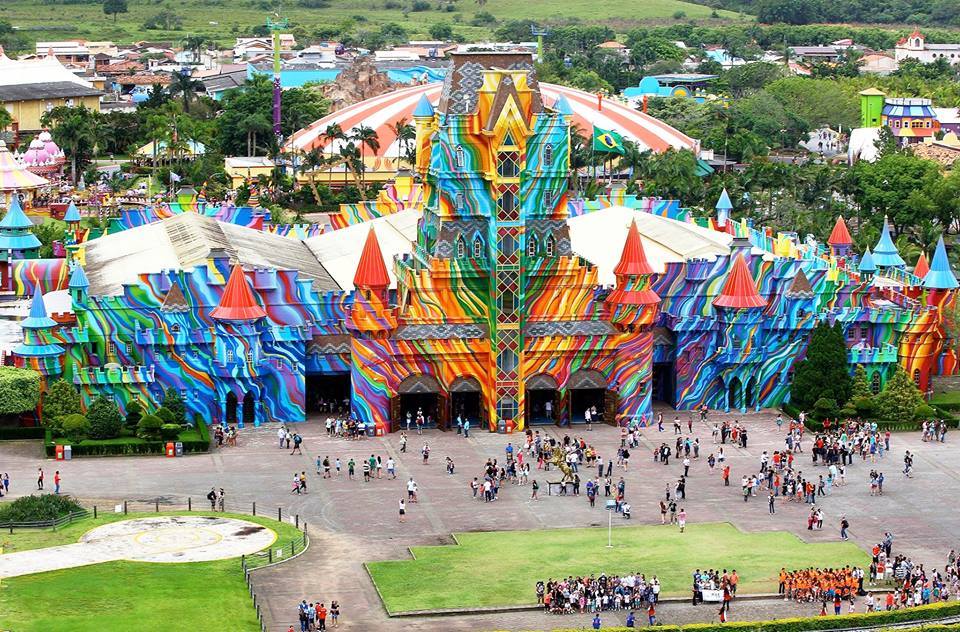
(114, 7)
(367, 138)
(186, 87)
(75, 130)
(823, 373)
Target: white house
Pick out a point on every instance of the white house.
(914, 46)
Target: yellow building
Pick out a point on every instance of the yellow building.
(243, 168)
(30, 88)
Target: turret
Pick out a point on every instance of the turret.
(885, 254)
(371, 312)
(940, 276)
(920, 270)
(800, 297)
(39, 350)
(78, 285)
(238, 302)
(739, 290)
(867, 268)
(72, 216)
(423, 118)
(633, 303)
(840, 240)
(17, 240)
(724, 206)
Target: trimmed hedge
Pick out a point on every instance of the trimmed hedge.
(13, 433)
(842, 622)
(124, 446)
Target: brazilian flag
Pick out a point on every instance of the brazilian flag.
(607, 141)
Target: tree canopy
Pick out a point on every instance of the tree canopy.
(823, 373)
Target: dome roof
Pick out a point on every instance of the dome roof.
(382, 112)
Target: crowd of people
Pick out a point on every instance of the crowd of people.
(598, 594)
(314, 616)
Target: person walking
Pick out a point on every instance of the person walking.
(212, 497)
(56, 482)
(425, 451)
(771, 503)
(403, 510)
(844, 525)
(682, 519)
(535, 487)
(297, 440)
(39, 478)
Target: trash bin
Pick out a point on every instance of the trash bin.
(67, 452)
(171, 451)
(59, 452)
(502, 426)
(179, 448)
(371, 430)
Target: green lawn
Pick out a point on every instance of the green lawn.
(45, 22)
(502, 568)
(950, 399)
(129, 595)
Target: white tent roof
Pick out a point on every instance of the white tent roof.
(42, 70)
(861, 146)
(339, 251)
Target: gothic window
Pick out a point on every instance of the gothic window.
(548, 200)
(532, 246)
(506, 407)
(175, 328)
(507, 206)
(851, 333)
(550, 246)
(229, 355)
(916, 377)
(461, 247)
(507, 360)
(461, 157)
(477, 247)
(508, 245)
(459, 202)
(508, 140)
(111, 349)
(508, 165)
(864, 332)
(875, 383)
(547, 154)
(249, 356)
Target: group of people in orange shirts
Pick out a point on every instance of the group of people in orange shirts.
(812, 584)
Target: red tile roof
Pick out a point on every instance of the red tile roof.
(371, 271)
(238, 301)
(633, 261)
(739, 290)
(840, 236)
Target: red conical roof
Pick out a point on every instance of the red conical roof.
(922, 266)
(238, 301)
(371, 271)
(739, 290)
(633, 261)
(840, 235)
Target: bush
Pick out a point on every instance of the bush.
(483, 18)
(420, 5)
(865, 406)
(60, 400)
(899, 399)
(105, 419)
(134, 414)
(825, 408)
(75, 426)
(14, 433)
(19, 390)
(174, 403)
(165, 415)
(169, 432)
(679, 15)
(149, 427)
(36, 508)
(847, 412)
(923, 412)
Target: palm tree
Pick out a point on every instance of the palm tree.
(195, 44)
(366, 137)
(349, 156)
(186, 86)
(405, 133)
(254, 124)
(75, 130)
(314, 161)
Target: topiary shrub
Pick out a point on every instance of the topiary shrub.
(60, 400)
(169, 432)
(76, 427)
(19, 390)
(825, 408)
(165, 415)
(847, 412)
(134, 414)
(824, 372)
(149, 427)
(923, 412)
(174, 403)
(105, 419)
(865, 405)
(899, 399)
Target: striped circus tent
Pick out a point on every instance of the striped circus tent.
(15, 178)
(382, 112)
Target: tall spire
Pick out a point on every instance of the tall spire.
(885, 254)
(724, 206)
(37, 342)
(238, 301)
(633, 260)
(15, 233)
(739, 290)
(424, 108)
(922, 267)
(72, 216)
(633, 291)
(940, 276)
(371, 270)
(840, 235)
(866, 262)
(38, 318)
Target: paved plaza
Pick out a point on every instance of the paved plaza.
(352, 522)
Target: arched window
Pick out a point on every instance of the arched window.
(875, 383)
(461, 247)
(548, 154)
(477, 247)
(916, 377)
(459, 201)
(532, 246)
(548, 200)
(550, 246)
(175, 328)
(461, 157)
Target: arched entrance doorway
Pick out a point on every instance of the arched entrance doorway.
(542, 400)
(249, 409)
(466, 401)
(231, 408)
(587, 389)
(328, 393)
(734, 394)
(750, 397)
(420, 393)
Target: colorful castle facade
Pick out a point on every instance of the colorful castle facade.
(490, 315)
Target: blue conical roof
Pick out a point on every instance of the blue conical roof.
(866, 262)
(424, 108)
(562, 106)
(78, 278)
(15, 217)
(72, 214)
(885, 254)
(38, 318)
(724, 203)
(940, 276)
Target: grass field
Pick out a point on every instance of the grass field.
(128, 595)
(500, 569)
(223, 20)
